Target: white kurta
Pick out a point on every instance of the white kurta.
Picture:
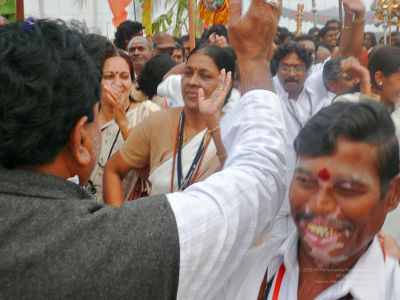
(296, 114)
(373, 277)
(219, 219)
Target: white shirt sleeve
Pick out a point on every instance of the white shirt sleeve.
(170, 87)
(218, 219)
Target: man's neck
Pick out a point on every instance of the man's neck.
(295, 95)
(315, 278)
(138, 70)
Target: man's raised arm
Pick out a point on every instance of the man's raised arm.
(219, 219)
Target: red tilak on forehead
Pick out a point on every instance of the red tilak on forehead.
(324, 174)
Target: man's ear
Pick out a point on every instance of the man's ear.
(79, 142)
(332, 86)
(393, 193)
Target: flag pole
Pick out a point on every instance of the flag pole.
(19, 10)
(340, 16)
(192, 37)
(134, 9)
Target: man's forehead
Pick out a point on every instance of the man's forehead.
(291, 59)
(138, 45)
(349, 157)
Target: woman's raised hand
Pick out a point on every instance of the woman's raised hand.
(211, 108)
(114, 98)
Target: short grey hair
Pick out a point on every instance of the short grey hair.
(141, 40)
(332, 70)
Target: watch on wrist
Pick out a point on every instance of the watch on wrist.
(273, 3)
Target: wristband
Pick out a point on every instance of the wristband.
(273, 3)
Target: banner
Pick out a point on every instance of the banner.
(147, 9)
(118, 8)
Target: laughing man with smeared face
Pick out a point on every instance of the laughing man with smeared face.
(345, 182)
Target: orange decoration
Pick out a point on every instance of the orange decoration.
(118, 9)
(210, 17)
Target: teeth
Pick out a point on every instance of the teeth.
(321, 231)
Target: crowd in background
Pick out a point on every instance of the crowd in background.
(171, 117)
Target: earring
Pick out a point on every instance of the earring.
(380, 83)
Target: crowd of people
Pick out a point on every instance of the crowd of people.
(257, 165)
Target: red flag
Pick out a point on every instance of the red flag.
(118, 9)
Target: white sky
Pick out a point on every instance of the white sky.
(97, 14)
(321, 4)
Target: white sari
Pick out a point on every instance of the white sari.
(112, 141)
(160, 177)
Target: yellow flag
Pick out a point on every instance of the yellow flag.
(147, 8)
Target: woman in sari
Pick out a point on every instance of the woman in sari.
(118, 114)
(180, 145)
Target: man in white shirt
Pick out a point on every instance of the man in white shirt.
(58, 243)
(300, 96)
(346, 181)
(301, 93)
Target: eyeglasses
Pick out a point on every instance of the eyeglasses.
(296, 69)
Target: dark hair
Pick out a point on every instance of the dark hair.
(372, 36)
(313, 30)
(367, 122)
(126, 30)
(324, 30)
(306, 37)
(219, 30)
(325, 45)
(285, 50)
(283, 34)
(179, 46)
(185, 38)
(47, 82)
(204, 37)
(224, 58)
(98, 47)
(385, 59)
(153, 73)
(331, 21)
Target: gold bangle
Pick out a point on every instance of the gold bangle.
(125, 130)
(273, 3)
(211, 131)
(359, 21)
